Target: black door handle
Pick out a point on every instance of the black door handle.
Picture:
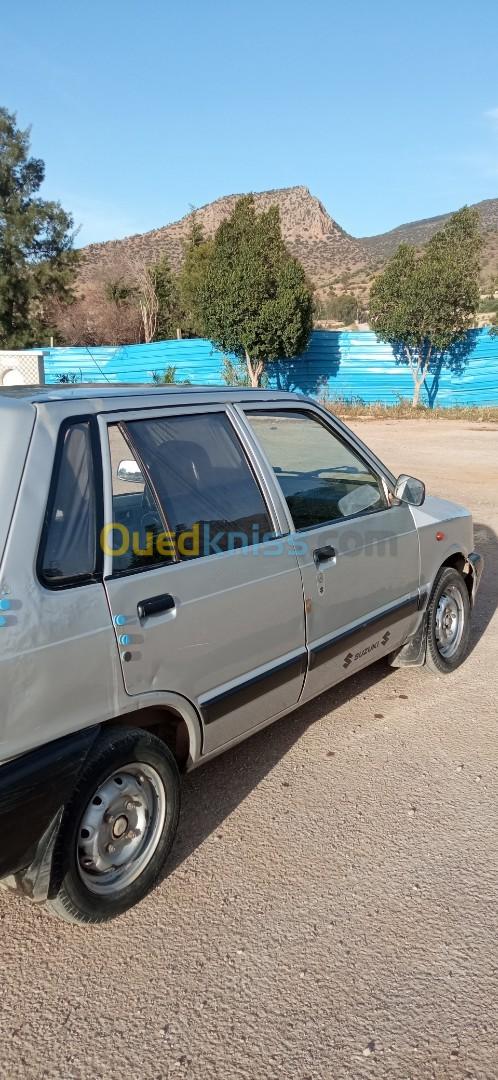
(155, 605)
(323, 554)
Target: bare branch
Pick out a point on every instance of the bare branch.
(147, 297)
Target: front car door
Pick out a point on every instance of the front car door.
(359, 553)
(205, 595)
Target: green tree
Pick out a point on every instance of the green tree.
(118, 291)
(424, 304)
(249, 295)
(344, 308)
(37, 262)
(169, 313)
(195, 235)
(196, 252)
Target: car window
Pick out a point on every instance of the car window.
(321, 478)
(204, 483)
(136, 538)
(68, 552)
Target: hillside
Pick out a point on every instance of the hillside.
(327, 252)
(380, 247)
(311, 234)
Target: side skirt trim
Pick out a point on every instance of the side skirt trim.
(328, 650)
(228, 701)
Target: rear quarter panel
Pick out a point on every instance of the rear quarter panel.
(59, 668)
(16, 427)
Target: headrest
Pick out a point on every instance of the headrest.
(184, 464)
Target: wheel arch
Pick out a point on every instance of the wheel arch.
(459, 561)
(172, 719)
(413, 652)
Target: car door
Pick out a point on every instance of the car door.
(358, 553)
(205, 595)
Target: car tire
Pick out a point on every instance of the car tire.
(117, 829)
(448, 623)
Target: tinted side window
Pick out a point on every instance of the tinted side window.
(204, 483)
(136, 537)
(69, 546)
(322, 479)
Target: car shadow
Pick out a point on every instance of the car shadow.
(486, 543)
(212, 792)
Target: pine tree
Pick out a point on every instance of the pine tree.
(37, 261)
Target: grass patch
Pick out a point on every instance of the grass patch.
(356, 408)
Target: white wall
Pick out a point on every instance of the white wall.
(19, 368)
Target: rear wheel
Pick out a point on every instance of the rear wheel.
(118, 828)
(448, 623)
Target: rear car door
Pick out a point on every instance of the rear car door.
(358, 553)
(205, 595)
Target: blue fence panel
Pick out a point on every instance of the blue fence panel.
(351, 364)
(194, 359)
(337, 364)
(477, 383)
(344, 365)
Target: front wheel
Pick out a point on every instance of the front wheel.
(448, 623)
(118, 828)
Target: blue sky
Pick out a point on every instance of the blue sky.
(386, 111)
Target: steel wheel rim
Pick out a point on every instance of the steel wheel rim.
(450, 622)
(120, 828)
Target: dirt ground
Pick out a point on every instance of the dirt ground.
(331, 911)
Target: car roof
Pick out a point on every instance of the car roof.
(104, 392)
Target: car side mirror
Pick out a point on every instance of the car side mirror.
(409, 490)
(129, 471)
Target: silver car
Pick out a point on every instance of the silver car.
(178, 569)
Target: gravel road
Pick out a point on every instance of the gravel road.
(332, 905)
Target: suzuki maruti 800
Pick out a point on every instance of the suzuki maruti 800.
(179, 568)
